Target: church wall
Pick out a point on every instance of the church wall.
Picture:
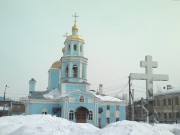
(122, 113)
(63, 73)
(74, 103)
(53, 79)
(68, 52)
(75, 87)
(38, 108)
(84, 71)
(88, 98)
(89, 106)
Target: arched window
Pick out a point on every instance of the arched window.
(69, 47)
(90, 115)
(75, 47)
(81, 99)
(71, 115)
(75, 70)
(67, 70)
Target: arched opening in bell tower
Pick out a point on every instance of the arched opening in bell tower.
(67, 70)
(75, 71)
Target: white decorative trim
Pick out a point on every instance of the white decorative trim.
(44, 101)
(107, 113)
(80, 70)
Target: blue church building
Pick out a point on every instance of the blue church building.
(69, 95)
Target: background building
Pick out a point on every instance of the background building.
(167, 105)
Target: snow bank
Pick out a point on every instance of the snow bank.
(42, 125)
(173, 128)
(132, 128)
(49, 125)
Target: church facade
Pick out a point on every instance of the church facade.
(69, 95)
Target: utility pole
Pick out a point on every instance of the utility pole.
(5, 96)
(130, 109)
(129, 91)
(131, 101)
(132, 104)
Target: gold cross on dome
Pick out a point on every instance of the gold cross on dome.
(75, 17)
(66, 34)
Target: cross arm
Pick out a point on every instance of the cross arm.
(138, 76)
(144, 64)
(160, 77)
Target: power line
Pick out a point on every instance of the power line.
(139, 91)
(106, 82)
(119, 92)
(113, 87)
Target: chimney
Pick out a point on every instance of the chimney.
(100, 89)
(32, 84)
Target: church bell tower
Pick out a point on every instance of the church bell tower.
(74, 64)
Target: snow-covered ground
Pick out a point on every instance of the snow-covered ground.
(49, 125)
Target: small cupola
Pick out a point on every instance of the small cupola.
(32, 84)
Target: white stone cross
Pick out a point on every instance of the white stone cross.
(149, 76)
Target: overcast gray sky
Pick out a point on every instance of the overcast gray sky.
(118, 35)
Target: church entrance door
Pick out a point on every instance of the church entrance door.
(81, 114)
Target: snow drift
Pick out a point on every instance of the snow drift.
(51, 125)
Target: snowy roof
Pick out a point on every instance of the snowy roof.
(167, 92)
(53, 94)
(106, 98)
(37, 95)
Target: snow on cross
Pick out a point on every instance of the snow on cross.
(149, 76)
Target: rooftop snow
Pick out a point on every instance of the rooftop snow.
(170, 91)
(54, 94)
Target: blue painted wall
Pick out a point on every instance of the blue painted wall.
(75, 87)
(53, 79)
(122, 112)
(76, 104)
(37, 108)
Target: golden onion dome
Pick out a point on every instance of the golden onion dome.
(75, 27)
(63, 50)
(56, 64)
(77, 37)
